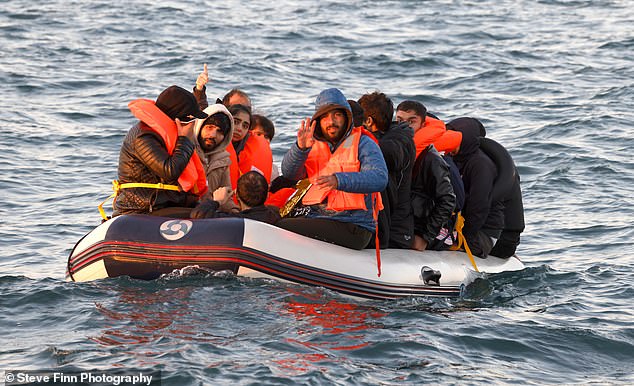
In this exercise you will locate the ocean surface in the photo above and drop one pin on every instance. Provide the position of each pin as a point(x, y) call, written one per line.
point(552, 80)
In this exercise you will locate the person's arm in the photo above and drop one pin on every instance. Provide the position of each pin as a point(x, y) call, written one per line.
point(372, 176)
point(209, 208)
point(295, 158)
point(152, 152)
point(200, 90)
point(444, 199)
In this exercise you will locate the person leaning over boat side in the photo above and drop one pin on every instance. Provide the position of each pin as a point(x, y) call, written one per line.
point(159, 149)
point(483, 216)
point(437, 188)
point(251, 192)
point(214, 135)
point(347, 170)
point(234, 97)
point(396, 221)
point(507, 189)
point(248, 152)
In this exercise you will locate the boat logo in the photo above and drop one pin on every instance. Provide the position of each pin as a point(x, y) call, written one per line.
point(175, 229)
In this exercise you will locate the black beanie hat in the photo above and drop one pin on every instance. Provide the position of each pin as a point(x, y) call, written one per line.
point(176, 102)
point(221, 120)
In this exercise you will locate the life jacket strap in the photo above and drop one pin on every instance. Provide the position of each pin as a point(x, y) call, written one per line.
point(376, 207)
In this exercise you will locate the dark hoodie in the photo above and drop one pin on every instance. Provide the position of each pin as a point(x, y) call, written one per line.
point(396, 222)
point(478, 174)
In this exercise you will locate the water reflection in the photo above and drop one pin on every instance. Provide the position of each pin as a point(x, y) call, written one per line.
point(327, 328)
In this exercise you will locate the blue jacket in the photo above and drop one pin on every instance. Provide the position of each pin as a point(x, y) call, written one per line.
point(372, 176)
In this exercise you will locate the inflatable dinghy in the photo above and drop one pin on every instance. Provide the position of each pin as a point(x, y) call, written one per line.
point(146, 247)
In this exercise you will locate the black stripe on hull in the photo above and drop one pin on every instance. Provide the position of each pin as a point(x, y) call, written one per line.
point(148, 261)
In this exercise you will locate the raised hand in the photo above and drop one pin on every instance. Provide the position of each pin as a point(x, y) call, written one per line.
point(202, 79)
point(305, 137)
point(185, 130)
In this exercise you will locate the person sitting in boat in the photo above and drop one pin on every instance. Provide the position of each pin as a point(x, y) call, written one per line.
point(214, 135)
point(437, 187)
point(505, 189)
point(506, 245)
point(428, 129)
point(346, 169)
point(396, 221)
point(234, 97)
point(357, 112)
point(483, 214)
point(251, 192)
point(248, 152)
point(159, 151)
point(264, 127)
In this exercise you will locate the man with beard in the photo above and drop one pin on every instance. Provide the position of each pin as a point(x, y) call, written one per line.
point(346, 169)
point(214, 135)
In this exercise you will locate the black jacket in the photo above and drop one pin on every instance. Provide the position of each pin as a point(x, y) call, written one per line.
point(478, 171)
point(433, 198)
point(396, 223)
point(144, 158)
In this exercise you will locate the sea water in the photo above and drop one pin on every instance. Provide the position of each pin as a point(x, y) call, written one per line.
point(552, 80)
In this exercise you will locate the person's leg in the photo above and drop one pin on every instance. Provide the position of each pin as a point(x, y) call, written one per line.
point(345, 234)
point(506, 245)
point(482, 245)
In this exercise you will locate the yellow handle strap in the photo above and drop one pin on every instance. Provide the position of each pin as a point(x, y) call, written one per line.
point(463, 241)
point(116, 187)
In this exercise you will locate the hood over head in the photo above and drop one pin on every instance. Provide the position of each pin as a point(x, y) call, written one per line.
point(328, 100)
point(217, 108)
point(176, 102)
point(471, 130)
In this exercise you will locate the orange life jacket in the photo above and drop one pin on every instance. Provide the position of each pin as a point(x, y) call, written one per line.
point(322, 162)
point(280, 197)
point(430, 132)
point(193, 179)
point(255, 155)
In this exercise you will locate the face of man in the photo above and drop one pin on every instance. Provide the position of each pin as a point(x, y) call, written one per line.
point(333, 125)
point(210, 137)
point(414, 121)
point(241, 125)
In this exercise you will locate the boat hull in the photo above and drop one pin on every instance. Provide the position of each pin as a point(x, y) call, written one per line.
point(146, 247)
